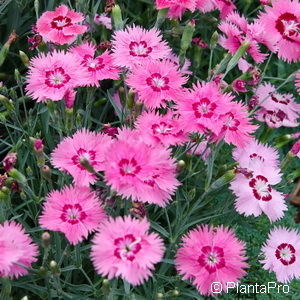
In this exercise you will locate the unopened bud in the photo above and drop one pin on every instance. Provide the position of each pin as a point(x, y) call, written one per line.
point(175, 293)
point(122, 95)
point(54, 267)
point(8, 104)
point(46, 239)
point(214, 40)
point(105, 287)
point(46, 172)
point(42, 271)
point(17, 175)
point(180, 166)
point(159, 296)
point(18, 76)
point(117, 17)
point(130, 100)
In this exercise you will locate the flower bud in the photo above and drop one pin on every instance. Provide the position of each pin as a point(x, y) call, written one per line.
point(17, 175)
point(7, 103)
point(159, 296)
point(130, 100)
point(180, 166)
point(46, 172)
point(214, 40)
point(117, 17)
point(122, 95)
point(42, 271)
point(105, 287)
point(161, 16)
point(46, 239)
point(9, 161)
point(24, 58)
point(54, 269)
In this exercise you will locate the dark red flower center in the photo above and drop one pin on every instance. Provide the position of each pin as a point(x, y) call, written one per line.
point(255, 156)
point(230, 122)
point(127, 247)
point(261, 188)
point(129, 167)
point(81, 154)
point(288, 26)
point(60, 22)
point(72, 213)
point(162, 128)
point(274, 117)
point(211, 258)
point(204, 108)
point(140, 49)
point(57, 78)
point(157, 82)
point(286, 254)
point(278, 98)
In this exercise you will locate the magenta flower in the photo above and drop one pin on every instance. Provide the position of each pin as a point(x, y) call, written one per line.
point(156, 82)
point(124, 248)
point(136, 45)
point(74, 211)
point(282, 23)
point(164, 129)
point(15, 247)
point(237, 31)
point(237, 128)
point(202, 108)
point(282, 254)
point(61, 26)
point(52, 75)
point(139, 171)
point(210, 255)
point(255, 153)
point(256, 194)
point(85, 145)
point(97, 67)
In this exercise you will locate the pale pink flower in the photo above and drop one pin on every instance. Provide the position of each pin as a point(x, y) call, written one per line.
point(161, 129)
point(156, 82)
point(104, 20)
point(136, 45)
point(271, 100)
point(176, 7)
point(125, 248)
point(83, 144)
point(254, 153)
point(202, 149)
point(15, 247)
point(282, 23)
point(202, 108)
point(210, 255)
point(275, 118)
point(282, 254)
point(205, 5)
point(61, 26)
point(75, 211)
point(256, 195)
point(54, 74)
point(97, 67)
point(139, 171)
point(237, 128)
point(237, 31)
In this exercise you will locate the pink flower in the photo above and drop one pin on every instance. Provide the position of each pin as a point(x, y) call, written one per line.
point(202, 107)
point(164, 129)
point(60, 26)
point(175, 60)
point(9, 161)
point(237, 128)
point(74, 211)
point(202, 149)
point(52, 75)
point(256, 195)
point(282, 22)
point(103, 20)
point(296, 149)
point(271, 100)
point(83, 144)
point(70, 97)
point(255, 153)
point(156, 82)
point(210, 255)
point(124, 248)
point(239, 85)
point(97, 67)
point(136, 45)
point(176, 7)
point(225, 7)
point(137, 170)
point(15, 247)
point(282, 254)
point(238, 31)
point(205, 5)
